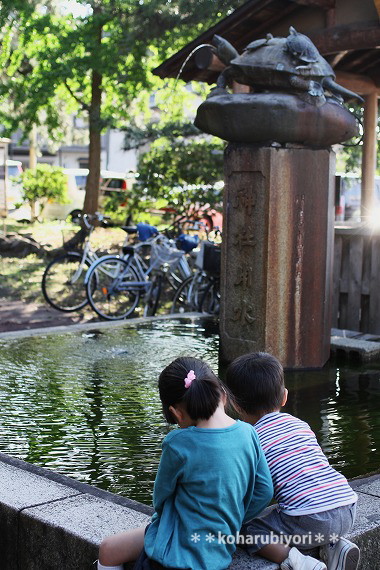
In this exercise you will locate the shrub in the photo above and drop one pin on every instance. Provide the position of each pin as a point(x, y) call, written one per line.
point(43, 184)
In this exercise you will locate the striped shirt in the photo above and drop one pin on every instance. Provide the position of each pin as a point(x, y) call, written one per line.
point(304, 482)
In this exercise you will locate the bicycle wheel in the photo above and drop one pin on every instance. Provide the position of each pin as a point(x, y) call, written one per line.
point(112, 288)
point(188, 295)
point(210, 301)
point(63, 282)
point(153, 299)
point(179, 273)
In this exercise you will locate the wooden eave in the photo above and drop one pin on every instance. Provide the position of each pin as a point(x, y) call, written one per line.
point(350, 49)
point(237, 28)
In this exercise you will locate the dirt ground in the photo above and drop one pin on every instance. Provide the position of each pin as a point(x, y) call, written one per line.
point(21, 303)
point(21, 315)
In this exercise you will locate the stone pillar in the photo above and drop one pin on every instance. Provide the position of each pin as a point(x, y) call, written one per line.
point(278, 233)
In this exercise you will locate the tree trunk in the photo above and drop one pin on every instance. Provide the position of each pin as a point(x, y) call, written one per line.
point(33, 166)
point(95, 125)
point(33, 210)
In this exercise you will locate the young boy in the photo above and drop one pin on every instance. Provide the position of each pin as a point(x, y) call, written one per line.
point(316, 505)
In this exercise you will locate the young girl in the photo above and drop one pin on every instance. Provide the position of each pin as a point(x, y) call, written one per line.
point(212, 476)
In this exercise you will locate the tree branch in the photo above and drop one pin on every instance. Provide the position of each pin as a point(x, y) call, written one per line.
point(84, 106)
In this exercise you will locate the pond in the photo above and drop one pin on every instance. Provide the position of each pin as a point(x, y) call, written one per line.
point(86, 404)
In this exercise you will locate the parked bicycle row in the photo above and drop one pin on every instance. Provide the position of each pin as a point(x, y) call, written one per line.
point(117, 286)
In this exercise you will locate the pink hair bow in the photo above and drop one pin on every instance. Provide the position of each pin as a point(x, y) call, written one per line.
point(189, 378)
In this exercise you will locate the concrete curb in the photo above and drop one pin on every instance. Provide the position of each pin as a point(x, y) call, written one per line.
point(79, 327)
point(49, 521)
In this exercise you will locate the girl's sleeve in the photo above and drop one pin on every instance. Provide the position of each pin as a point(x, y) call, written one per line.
point(169, 472)
point(263, 488)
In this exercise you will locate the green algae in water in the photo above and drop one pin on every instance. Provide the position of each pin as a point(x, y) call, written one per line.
point(86, 404)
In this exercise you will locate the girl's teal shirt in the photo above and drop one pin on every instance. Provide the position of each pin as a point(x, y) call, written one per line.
point(208, 483)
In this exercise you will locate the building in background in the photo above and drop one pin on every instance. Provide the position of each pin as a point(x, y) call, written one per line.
point(75, 155)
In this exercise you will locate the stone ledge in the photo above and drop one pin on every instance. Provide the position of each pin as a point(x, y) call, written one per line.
point(50, 521)
point(355, 345)
point(67, 533)
point(363, 350)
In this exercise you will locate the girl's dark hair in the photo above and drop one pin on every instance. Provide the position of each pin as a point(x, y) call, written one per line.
point(201, 398)
point(256, 381)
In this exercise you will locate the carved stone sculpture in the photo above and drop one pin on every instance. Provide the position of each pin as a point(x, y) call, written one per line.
point(295, 97)
point(291, 64)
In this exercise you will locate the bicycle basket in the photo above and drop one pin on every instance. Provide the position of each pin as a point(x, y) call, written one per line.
point(164, 255)
point(209, 257)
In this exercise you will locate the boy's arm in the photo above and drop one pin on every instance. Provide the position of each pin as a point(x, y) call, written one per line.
point(263, 491)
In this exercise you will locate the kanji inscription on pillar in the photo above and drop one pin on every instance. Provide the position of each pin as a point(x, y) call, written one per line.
point(246, 199)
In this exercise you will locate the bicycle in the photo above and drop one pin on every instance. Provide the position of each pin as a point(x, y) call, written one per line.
point(179, 268)
point(115, 284)
point(210, 300)
point(63, 279)
point(201, 292)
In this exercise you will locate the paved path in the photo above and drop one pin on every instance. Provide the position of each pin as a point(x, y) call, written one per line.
point(19, 315)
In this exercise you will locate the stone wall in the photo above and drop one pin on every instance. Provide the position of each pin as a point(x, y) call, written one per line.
point(51, 522)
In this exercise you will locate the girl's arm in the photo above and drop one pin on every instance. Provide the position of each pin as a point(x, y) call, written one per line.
point(169, 472)
point(263, 491)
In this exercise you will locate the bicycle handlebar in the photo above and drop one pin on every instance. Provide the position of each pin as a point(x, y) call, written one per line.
point(89, 220)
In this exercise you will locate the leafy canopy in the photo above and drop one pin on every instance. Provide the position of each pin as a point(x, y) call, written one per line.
point(97, 63)
point(49, 57)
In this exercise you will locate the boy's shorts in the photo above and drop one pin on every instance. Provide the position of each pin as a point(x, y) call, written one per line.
point(303, 531)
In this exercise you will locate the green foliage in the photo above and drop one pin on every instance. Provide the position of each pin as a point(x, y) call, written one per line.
point(97, 63)
point(46, 54)
point(114, 206)
point(181, 173)
point(43, 184)
point(349, 156)
point(138, 136)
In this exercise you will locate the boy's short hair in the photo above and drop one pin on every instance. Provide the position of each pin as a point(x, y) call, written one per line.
point(256, 381)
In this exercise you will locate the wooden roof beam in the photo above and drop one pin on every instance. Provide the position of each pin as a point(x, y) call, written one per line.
point(341, 38)
point(324, 4)
point(357, 83)
point(337, 58)
point(266, 26)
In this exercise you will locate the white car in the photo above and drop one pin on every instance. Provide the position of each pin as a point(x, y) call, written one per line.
point(76, 188)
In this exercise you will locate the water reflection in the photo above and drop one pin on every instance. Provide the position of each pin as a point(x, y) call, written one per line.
point(87, 406)
point(341, 405)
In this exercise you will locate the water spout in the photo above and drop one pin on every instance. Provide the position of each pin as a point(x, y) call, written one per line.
point(187, 59)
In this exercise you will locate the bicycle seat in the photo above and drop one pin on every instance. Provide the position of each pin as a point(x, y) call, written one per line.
point(129, 229)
